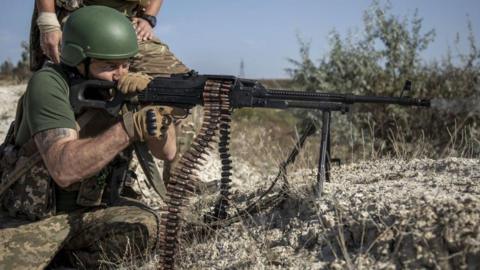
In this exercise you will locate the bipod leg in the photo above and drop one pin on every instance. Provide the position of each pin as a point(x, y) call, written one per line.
point(308, 131)
point(322, 161)
point(329, 151)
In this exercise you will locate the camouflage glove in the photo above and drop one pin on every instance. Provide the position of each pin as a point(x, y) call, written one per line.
point(133, 83)
point(150, 121)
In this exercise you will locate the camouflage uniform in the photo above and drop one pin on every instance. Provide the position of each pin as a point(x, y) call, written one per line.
point(156, 59)
point(92, 236)
point(32, 196)
point(101, 238)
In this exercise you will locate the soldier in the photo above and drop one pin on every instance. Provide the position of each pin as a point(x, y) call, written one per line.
point(62, 171)
point(154, 57)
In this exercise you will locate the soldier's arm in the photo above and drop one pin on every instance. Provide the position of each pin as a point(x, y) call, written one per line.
point(70, 159)
point(45, 5)
point(154, 7)
point(142, 27)
point(50, 33)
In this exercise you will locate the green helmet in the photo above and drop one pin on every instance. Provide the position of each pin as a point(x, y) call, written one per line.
point(97, 32)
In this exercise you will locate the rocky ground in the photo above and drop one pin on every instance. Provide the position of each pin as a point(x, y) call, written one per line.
point(382, 214)
point(8, 103)
point(388, 214)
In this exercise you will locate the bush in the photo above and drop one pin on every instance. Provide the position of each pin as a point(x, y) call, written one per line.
point(17, 73)
point(378, 62)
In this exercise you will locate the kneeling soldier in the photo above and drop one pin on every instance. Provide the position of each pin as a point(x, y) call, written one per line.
point(69, 199)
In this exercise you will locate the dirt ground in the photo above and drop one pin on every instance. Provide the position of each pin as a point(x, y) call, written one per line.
point(8, 103)
point(383, 214)
point(387, 214)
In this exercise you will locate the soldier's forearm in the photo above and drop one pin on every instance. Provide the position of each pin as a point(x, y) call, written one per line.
point(45, 5)
point(154, 7)
point(70, 160)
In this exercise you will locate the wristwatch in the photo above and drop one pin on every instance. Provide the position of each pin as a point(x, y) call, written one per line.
point(152, 20)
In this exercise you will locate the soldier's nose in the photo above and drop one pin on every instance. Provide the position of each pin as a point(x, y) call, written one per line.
point(116, 74)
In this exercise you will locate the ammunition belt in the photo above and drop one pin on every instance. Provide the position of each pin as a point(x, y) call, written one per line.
point(221, 207)
point(181, 186)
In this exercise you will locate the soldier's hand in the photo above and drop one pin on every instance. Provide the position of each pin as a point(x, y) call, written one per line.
point(50, 35)
point(149, 122)
point(143, 29)
point(133, 83)
point(50, 43)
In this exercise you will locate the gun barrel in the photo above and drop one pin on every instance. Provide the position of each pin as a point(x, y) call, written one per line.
point(344, 98)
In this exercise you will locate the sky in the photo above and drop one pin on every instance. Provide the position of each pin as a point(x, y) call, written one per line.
point(214, 36)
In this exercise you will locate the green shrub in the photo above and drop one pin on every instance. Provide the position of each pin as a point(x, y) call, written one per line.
point(378, 62)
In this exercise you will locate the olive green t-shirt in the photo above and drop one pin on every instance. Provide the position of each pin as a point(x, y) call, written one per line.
point(46, 104)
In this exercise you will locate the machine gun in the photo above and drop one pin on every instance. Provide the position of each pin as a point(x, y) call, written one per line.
point(219, 95)
point(186, 91)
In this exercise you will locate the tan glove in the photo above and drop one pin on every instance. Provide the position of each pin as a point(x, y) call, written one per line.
point(133, 83)
point(176, 112)
point(150, 121)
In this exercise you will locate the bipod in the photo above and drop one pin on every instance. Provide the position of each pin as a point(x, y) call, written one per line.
point(263, 202)
point(324, 160)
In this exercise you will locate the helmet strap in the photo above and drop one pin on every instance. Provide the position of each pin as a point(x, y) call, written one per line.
point(86, 65)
